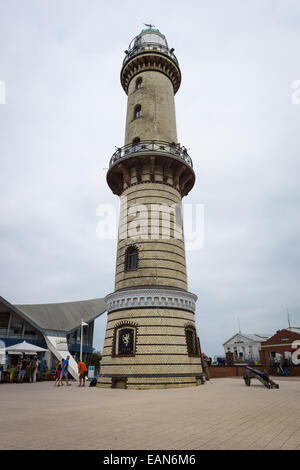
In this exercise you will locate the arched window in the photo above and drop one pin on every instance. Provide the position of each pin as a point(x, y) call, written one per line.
point(139, 83)
point(124, 341)
point(131, 258)
point(137, 111)
point(191, 341)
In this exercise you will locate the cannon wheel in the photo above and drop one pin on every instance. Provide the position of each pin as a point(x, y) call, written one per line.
point(247, 381)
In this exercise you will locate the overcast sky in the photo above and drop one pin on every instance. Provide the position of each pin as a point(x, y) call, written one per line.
point(65, 113)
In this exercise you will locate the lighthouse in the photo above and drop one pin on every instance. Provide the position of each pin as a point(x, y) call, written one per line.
point(151, 339)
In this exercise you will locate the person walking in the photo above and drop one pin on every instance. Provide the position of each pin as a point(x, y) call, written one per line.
point(205, 365)
point(36, 368)
point(64, 372)
point(58, 371)
point(12, 374)
point(82, 370)
point(29, 370)
point(22, 372)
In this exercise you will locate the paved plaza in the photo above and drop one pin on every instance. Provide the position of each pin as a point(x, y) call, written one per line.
point(222, 414)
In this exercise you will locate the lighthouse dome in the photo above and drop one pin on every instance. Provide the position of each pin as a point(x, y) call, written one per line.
point(150, 36)
point(149, 40)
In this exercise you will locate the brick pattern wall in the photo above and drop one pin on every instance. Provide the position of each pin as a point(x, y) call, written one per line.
point(231, 371)
point(161, 358)
point(161, 260)
point(238, 371)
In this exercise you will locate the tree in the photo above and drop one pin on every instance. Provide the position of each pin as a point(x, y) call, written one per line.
point(95, 359)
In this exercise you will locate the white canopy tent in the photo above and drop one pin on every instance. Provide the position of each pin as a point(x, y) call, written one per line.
point(24, 347)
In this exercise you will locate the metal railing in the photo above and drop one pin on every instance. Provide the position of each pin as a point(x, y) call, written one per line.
point(151, 146)
point(150, 47)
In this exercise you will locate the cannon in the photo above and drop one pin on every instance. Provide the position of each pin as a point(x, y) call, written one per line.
point(262, 376)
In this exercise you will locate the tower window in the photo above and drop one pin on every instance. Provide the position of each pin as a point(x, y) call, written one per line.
point(137, 111)
point(131, 258)
point(138, 83)
point(136, 144)
point(191, 341)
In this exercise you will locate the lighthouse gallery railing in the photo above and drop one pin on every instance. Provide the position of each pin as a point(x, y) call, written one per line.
point(146, 146)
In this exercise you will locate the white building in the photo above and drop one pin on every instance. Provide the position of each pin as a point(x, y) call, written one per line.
point(245, 347)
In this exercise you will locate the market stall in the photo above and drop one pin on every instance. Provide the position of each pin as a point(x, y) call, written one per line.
point(17, 353)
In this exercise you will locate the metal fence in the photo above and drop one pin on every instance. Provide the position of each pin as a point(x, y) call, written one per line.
point(150, 47)
point(151, 146)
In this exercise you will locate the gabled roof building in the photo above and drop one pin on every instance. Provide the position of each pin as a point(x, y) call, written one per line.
point(245, 347)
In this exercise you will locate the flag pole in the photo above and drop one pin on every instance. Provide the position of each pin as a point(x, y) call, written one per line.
point(288, 316)
point(81, 331)
point(239, 324)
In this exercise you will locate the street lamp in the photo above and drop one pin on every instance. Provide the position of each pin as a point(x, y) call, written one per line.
point(81, 336)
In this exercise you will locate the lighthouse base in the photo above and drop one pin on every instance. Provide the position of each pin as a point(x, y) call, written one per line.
point(151, 345)
point(151, 382)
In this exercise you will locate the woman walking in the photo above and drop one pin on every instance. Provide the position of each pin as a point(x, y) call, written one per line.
point(58, 372)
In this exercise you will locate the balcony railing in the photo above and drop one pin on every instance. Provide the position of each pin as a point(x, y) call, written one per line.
point(151, 146)
point(150, 47)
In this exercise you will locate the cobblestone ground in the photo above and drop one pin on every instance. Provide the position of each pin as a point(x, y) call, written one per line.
point(222, 414)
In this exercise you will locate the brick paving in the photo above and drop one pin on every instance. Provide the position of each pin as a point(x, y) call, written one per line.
point(222, 414)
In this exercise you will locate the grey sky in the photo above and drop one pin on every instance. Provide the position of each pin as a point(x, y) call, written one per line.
point(65, 112)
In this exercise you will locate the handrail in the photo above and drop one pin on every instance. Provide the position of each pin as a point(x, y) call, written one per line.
point(149, 47)
point(146, 146)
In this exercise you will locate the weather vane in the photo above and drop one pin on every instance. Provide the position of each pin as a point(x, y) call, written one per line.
point(149, 25)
